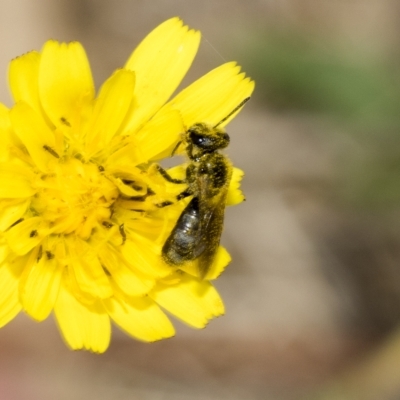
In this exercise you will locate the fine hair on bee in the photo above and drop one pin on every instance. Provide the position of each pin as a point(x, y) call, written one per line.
point(197, 232)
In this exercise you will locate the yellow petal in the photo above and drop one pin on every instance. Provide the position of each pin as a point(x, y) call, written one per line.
point(3, 112)
point(4, 250)
point(88, 272)
point(154, 141)
point(15, 181)
point(140, 317)
point(65, 81)
point(132, 283)
point(39, 284)
point(191, 300)
point(82, 326)
point(6, 134)
point(110, 110)
point(143, 255)
point(34, 134)
point(25, 235)
point(160, 62)
point(10, 305)
point(221, 261)
point(212, 97)
point(235, 195)
point(158, 137)
point(23, 77)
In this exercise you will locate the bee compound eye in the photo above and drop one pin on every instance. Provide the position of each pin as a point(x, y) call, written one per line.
point(196, 138)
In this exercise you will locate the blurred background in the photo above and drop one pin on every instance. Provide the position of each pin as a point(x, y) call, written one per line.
point(313, 292)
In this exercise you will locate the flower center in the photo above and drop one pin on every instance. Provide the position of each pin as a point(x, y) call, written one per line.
point(75, 198)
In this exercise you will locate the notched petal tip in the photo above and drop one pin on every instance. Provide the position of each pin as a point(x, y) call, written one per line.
point(82, 326)
point(191, 300)
point(140, 318)
point(23, 78)
point(66, 86)
point(221, 261)
point(214, 96)
point(160, 61)
point(235, 194)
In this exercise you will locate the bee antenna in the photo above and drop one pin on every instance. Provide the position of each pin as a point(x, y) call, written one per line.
point(242, 103)
point(176, 148)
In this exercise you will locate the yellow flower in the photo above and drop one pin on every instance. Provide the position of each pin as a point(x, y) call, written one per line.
point(81, 233)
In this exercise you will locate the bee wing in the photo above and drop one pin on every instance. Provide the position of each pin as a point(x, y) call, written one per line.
point(211, 225)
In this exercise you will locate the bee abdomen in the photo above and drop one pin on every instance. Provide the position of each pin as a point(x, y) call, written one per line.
point(183, 240)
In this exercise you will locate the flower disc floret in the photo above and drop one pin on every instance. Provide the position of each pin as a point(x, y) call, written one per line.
point(75, 198)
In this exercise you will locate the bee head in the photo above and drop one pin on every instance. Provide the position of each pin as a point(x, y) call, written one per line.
point(207, 138)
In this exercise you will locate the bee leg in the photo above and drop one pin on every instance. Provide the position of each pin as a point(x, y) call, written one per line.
point(191, 171)
point(186, 193)
point(122, 233)
point(189, 151)
point(164, 204)
point(194, 157)
point(144, 196)
point(168, 177)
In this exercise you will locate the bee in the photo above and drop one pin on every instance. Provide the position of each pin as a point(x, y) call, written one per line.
point(197, 232)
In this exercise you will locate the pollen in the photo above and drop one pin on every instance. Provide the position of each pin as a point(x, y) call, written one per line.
point(75, 198)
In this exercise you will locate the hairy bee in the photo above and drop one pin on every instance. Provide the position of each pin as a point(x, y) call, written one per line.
point(197, 232)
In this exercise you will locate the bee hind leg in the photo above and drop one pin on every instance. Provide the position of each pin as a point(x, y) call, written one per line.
point(168, 177)
point(180, 196)
point(186, 193)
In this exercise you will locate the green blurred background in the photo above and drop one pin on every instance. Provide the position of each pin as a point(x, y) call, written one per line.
point(312, 295)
